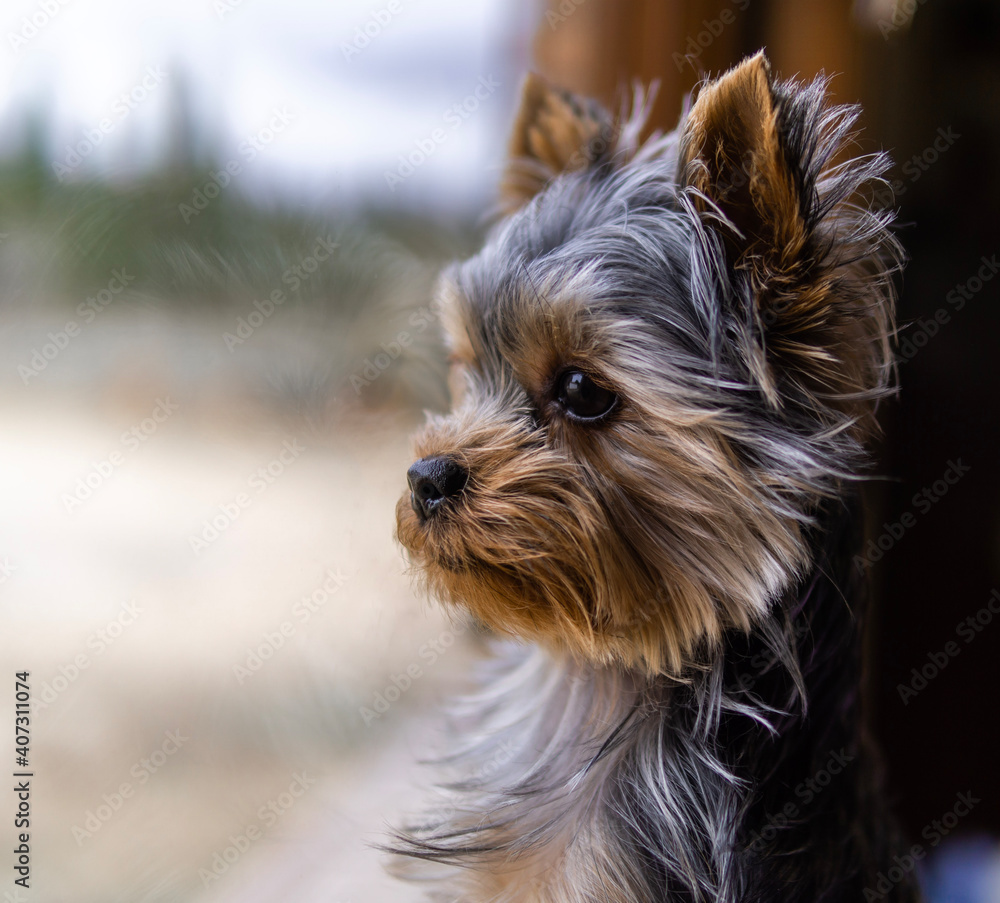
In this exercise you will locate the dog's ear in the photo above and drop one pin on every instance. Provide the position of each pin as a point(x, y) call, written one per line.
point(554, 132)
point(807, 254)
point(734, 155)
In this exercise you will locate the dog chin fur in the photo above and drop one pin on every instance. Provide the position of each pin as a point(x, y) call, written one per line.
point(679, 567)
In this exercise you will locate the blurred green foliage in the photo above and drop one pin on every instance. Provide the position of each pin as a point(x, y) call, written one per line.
point(61, 242)
point(76, 232)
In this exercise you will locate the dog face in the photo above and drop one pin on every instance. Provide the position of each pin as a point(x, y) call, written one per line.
point(663, 360)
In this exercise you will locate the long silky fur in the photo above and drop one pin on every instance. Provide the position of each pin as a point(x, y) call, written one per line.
point(571, 783)
point(648, 745)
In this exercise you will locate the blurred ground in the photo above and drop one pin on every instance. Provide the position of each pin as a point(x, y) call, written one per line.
point(179, 693)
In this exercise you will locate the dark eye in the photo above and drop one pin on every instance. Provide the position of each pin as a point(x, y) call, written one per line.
point(582, 398)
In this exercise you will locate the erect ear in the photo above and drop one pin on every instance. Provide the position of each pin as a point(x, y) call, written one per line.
point(733, 153)
point(554, 132)
point(807, 253)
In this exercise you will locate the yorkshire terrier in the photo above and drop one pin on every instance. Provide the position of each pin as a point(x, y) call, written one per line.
point(665, 367)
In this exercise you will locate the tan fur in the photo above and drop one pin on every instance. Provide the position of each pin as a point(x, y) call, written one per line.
point(643, 538)
point(554, 132)
point(537, 550)
point(732, 156)
point(534, 550)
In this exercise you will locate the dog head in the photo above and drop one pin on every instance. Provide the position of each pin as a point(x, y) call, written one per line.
point(664, 359)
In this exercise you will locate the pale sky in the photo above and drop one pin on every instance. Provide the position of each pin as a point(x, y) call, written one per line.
point(342, 110)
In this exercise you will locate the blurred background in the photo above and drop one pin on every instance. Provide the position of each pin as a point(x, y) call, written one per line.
point(220, 222)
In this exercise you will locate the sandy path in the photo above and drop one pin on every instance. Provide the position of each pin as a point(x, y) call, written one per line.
point(151, 748)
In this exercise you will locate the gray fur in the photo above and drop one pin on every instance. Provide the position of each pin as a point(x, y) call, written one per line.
point(617, 786)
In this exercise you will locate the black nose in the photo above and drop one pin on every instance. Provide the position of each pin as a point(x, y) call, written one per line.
point(432, 480)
